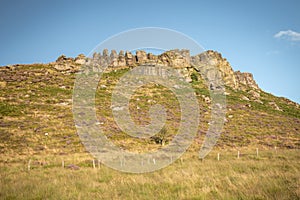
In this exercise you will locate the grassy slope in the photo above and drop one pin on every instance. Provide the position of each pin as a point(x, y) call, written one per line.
point(42, 103)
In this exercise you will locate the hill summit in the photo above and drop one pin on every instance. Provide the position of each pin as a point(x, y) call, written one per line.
point(179, 59)
point(36, 103)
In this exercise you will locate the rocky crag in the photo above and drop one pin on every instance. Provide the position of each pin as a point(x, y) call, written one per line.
point(204, 63)
point(178, 59)
point(209, 64)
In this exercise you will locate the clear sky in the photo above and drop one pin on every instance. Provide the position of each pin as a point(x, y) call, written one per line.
point(261, 37)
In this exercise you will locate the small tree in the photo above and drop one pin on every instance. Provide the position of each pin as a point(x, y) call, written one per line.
point(160, 138)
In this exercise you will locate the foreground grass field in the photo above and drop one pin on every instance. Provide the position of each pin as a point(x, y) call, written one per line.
point(271, 175)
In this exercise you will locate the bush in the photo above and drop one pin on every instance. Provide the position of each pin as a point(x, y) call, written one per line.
point(160, 138)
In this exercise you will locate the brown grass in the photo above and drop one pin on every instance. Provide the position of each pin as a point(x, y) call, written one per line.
point(270, 176)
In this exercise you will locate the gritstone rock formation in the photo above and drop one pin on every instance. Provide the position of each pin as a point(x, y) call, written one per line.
point(203, 63)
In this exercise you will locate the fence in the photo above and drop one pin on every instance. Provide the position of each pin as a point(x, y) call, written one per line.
point(218, 155)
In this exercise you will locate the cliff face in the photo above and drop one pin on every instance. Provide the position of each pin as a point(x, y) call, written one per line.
point(212, 59)
point(204, 63)
point(234, 79)
point(245, 80)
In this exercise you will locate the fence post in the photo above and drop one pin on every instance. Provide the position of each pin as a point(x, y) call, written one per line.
point(94, 166)
point(256, 152)
point(238, 155)
point(218, 156)
point(28, 166)
point(63, 163)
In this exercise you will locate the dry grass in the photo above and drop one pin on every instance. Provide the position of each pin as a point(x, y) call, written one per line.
point(269, 176)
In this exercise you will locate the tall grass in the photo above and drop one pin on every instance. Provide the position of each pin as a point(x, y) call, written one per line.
point(269, 176)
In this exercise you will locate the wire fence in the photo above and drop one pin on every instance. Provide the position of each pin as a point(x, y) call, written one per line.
point(78, 161)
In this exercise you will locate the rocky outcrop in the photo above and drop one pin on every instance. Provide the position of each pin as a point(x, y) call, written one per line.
point(80, 59)
point(130, 60)
point(204, 63)
point(114, 59)
point(68, 65)
point(275, 106)
point(245, 80)
point(208, 61)
point(175, 58)
point(121, 59)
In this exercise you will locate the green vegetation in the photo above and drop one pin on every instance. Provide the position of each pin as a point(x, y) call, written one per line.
point(10, 110)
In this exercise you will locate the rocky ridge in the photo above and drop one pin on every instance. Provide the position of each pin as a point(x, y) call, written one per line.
point(178, 59)
point(181, 60)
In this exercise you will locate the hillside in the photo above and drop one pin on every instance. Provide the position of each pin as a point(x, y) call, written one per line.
point(42, 157)
point(36, 104)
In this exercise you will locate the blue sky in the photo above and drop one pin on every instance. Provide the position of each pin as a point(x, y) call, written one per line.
point(261, 37)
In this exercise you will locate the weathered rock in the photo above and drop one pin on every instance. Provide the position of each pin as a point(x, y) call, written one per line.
point(150, 56)
point(245, 98)
point(105, 59)
point(246, 80)
point(63, 67)
point(113, 58)
point(141, 57)
point(96, 56)
point(175, 58)
point(121, 59)
point(66, 65)
point(61, 59)
point(130, 60)
point(259, 101)
point(105, 53)
point(254, 95)
point(215, 69)
point(210, 60)
point(80, 59)
point(275, 106)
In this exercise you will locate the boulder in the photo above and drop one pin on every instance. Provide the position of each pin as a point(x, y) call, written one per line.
point(254, 94)
point(80, 59)
point(130, 60)
point(275, 106)
point(245, 98)
point(141, 57)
